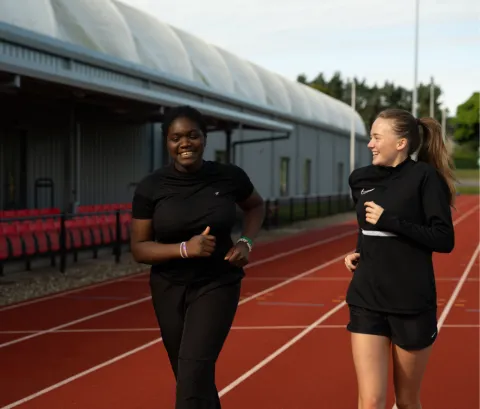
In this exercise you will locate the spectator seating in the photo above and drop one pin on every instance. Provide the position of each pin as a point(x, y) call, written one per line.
point(29, 233)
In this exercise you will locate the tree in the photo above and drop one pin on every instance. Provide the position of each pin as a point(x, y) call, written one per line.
point(370, 100)
point(466, 124)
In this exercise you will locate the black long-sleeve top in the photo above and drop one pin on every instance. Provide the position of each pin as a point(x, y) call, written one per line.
point(395, 270)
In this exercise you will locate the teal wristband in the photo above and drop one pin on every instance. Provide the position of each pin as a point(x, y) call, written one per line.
point(246, 240)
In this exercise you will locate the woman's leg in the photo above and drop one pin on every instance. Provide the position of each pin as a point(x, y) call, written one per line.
point(408, 370)
point(371, 355)
point(412, 338)
point(209, 317)
point(169, 305)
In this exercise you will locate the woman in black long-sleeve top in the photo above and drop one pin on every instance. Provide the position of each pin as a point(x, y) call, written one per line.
point(404, 214)
point(182, 219)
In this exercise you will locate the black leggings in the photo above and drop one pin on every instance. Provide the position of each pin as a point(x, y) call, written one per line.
point(194, 322)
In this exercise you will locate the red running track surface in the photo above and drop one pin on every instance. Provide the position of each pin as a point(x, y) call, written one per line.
point(99, 347)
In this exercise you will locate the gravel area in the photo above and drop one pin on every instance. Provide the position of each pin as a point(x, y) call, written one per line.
point(16, 286)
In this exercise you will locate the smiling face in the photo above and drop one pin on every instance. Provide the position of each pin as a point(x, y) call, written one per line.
point(387, 147)
point(186, 144)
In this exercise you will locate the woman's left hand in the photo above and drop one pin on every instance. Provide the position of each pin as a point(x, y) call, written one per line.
point(373, 212)
point(238, 254)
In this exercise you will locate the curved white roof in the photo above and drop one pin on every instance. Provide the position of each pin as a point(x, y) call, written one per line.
point(119, 30)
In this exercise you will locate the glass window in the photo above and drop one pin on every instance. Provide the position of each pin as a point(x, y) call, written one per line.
point(284, 175)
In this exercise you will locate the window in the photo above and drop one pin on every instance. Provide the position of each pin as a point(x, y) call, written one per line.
point(340, 170)
point(220, 156)
point(284, 176)
point(307, 176)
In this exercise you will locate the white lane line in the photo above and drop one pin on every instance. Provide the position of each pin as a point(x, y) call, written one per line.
point(155, 329)
point(294, 278)
point(70, 323)
point(81, 374)
point(238, 328)
point(465, 215)
point(458, 287)
point(72, 291)
point(280, 350)
point(302, 248)
point(454, 295)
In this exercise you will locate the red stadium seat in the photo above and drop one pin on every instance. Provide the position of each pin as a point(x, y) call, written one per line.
point(4, 248)
point(40, 237)
point(26, 235)
point(16, 246)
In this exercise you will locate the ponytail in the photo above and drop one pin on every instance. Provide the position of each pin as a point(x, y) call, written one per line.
point(434, 151)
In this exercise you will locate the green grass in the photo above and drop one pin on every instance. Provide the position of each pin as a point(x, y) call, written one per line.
point(468, 190)
point(463, 174)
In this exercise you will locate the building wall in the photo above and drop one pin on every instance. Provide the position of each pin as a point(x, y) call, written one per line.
point(327, 153)
point(113, 160)
point(32, 147)
point(114, 156)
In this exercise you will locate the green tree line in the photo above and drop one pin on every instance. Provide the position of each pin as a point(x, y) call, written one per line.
point(462, 126)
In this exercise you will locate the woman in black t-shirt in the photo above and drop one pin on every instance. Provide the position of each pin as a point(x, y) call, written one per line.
point(404, 214)
point(182, 219)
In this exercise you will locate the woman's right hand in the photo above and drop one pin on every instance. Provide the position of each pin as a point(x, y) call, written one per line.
point(351, 261)
point(202, 245)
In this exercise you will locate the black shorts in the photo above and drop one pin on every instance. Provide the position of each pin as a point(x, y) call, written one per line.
point(409, 332)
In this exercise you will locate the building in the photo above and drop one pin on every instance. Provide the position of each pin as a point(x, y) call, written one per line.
point(84, 84)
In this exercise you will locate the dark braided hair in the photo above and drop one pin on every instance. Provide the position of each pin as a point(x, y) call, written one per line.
point(183, 111)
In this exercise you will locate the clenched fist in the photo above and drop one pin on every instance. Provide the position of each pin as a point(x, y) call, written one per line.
point(351, 261)
point(373, 212)
point(238, 254)
point(202, 245)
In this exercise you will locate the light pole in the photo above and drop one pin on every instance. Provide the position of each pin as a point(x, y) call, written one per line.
point(432, 98)
point(415, 62)
point(352, 125)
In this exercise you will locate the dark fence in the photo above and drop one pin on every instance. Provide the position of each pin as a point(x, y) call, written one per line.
point(26, 235)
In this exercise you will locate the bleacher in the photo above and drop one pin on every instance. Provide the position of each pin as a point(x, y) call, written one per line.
point(27, 234)
point(30, 234)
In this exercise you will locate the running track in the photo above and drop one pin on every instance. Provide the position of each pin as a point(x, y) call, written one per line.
point(99, 347)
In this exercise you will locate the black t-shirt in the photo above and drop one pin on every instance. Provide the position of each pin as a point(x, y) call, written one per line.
point(181, 205)
point(395, 271)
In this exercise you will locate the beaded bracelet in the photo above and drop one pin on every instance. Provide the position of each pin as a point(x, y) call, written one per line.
point(247, 241)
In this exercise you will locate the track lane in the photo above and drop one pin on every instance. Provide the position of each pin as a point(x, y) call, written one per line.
point(457, 349)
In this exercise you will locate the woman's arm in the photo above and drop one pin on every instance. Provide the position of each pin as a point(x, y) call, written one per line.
point(146, 251)
point(254, 214)
point(438, 233)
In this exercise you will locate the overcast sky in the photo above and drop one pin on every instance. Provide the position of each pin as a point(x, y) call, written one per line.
point(370, 39)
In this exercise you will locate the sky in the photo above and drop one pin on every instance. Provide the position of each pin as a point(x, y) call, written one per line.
point(372, 40)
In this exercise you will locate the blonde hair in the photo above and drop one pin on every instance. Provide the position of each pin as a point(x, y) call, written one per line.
point(430, 145)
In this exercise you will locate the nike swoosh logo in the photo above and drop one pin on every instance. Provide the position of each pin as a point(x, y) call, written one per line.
point(366, 191)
